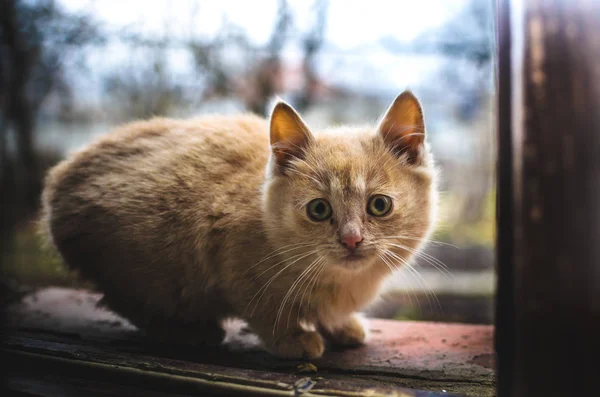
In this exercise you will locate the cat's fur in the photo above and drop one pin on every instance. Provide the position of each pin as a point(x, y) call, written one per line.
point(182, 224)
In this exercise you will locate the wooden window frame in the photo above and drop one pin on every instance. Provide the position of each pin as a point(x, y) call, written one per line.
point(548, 258)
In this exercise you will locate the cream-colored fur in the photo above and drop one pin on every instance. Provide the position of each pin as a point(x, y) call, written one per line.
point(185, 223)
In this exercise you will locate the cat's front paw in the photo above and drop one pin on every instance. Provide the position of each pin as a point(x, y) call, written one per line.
point(351, 333)
point(307, 344)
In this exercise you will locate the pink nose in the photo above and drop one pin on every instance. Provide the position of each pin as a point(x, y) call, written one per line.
point(351, 240)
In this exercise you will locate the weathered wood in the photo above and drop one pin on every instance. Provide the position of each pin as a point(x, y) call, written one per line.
point(504, 338)
point(555, 136)
point(63, 328)
point(65, 385)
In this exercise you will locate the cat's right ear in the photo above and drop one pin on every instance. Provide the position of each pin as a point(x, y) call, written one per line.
point(289, 134)
point(403, 129)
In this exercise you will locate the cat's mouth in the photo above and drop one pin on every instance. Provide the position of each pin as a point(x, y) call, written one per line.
point(354, 259)
point(354, 256)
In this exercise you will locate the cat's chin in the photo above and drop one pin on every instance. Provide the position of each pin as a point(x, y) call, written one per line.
point(354, 261)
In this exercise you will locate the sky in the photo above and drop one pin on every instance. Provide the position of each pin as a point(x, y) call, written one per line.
point(355, 57)
point(351, 23)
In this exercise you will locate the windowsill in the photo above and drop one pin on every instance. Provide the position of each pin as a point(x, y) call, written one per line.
point(61, 330)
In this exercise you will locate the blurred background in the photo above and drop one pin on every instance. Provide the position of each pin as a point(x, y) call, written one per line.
point(71, 70)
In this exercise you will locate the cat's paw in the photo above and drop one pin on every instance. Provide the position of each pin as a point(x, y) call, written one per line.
point(307, 344)
point(351, 333)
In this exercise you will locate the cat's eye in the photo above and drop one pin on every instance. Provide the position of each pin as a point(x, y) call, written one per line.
point(379, 205)
point(319, 210)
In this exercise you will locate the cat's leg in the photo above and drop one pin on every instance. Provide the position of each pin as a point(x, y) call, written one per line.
point(159, 326)
point(287, 341)
point(350, 332)
point(295, 343)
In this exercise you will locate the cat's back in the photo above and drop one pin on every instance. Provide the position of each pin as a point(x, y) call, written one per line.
point(146, 169)
point(144, 146)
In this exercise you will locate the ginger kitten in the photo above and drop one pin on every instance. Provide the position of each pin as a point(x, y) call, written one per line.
point(182, 224)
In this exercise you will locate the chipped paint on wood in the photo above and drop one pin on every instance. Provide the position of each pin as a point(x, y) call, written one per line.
point(402, 357)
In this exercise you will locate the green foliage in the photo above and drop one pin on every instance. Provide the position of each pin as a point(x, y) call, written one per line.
point(482, 231)
point(471, 308)
point(31, 262)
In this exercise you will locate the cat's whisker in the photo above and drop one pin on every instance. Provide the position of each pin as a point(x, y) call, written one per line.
point(442, 266)
point(433, 261)
point(293, 258)
point(300, 281)
point(310, 286)
point(404, 128)
point(278, 251)
point(418, 253)
point(316, 282)
point(411, 134)
point(279, 263)
point(268, 283)
point(428, 290)
point(319, 183)
point(427, 240)
point(297, 161)
point(283, 247)
point(389, 130)
point(391, 260)
point(302, 161)
point(290, 290)
point(390, 158)
point(305, 284)
point(403, 275)
point(388, 264)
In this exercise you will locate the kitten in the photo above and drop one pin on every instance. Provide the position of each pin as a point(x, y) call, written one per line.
point(182, 224)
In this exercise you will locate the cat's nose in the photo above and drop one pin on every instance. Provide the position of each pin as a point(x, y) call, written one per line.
point(351, 240)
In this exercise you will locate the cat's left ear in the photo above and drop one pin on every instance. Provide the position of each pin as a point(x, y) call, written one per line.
point(403, 128)
point(289, 134)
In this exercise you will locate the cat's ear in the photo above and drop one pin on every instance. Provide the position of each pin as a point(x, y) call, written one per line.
point(289, 134)
point(403, 129)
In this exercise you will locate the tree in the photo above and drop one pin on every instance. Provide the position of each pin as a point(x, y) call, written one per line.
point(144, 90)
point(36, 39)
point(262, 81)
point(311, 45)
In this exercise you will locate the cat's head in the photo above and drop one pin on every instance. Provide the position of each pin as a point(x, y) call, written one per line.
point(352, 196)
